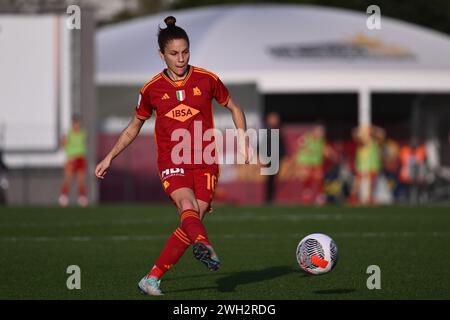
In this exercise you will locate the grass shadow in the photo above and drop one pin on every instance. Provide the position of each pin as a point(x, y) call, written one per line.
point(335, 291)
point(202, 275)
point(190, 289)
point(230, 282)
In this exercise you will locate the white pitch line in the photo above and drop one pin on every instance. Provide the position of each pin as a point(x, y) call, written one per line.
point(119, 238)
point(214, 218)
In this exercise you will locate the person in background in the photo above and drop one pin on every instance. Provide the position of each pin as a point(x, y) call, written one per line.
point(74, 144)
point(309, 162)
point(273, 121)
point(367, 162)
point(390, 156)
point(4, 182)
point(338, 176)
point(413, 169)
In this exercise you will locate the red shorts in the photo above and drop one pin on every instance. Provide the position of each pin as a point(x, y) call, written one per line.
point(76, 164)
point(312, 172)
point(202, 181)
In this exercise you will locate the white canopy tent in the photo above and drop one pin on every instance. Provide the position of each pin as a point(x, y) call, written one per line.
point(286, 49)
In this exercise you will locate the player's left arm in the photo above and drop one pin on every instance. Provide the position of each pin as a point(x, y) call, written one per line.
point(237, 114)
point(240, 122)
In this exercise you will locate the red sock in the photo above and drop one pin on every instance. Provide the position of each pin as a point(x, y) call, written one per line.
point(64, 189)
point(175, 246)
point(82, 191)
point(193, 226)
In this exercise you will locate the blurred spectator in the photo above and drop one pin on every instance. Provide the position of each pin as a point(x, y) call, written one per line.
point(273, 121)
point(433, 160)
point(413, 169)
point(309, 164)
point(74, 144)
point(388, 186)
point(4, 183)
point(444, 171)
point(338, 177)
point(367, 162)
point(438, 172)
point(445, 153)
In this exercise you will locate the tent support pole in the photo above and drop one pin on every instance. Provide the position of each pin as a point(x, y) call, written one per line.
point(364, 107)
point(364, 120)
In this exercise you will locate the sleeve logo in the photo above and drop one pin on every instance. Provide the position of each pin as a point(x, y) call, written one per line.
point(139, 100)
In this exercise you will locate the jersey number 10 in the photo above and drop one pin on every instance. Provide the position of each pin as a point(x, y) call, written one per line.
point(211, 180)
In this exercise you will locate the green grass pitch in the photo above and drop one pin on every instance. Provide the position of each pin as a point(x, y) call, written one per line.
point(116, 245)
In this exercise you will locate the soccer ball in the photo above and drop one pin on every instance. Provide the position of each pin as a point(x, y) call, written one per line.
point(317, 253)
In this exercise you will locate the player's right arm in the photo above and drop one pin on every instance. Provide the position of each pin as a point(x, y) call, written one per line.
point(125, 138)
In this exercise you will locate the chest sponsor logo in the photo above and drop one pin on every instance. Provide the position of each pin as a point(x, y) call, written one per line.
point(182, 113)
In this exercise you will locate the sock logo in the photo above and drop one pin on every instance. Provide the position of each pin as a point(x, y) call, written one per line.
point(200, 238)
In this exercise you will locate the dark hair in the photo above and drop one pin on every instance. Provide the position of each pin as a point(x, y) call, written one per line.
point(170, 33)
point(76, 117)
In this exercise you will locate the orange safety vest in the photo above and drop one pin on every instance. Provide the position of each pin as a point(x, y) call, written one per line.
point(409, 157)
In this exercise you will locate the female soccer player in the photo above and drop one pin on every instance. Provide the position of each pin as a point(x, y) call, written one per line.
point(181, 98)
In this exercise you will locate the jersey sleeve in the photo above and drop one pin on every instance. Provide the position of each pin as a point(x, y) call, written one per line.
point(143, 109)
point(221, 93)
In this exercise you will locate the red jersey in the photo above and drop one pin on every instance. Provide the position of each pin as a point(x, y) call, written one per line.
point(185, 104)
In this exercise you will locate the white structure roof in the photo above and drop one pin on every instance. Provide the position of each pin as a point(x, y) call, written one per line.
point(284, 48)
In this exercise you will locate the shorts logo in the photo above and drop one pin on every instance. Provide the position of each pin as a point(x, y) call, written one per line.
point(172, 171)
point(182, 113)
point(166, 184)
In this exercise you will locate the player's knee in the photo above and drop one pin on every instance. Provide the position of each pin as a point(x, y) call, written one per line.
point(186, 204)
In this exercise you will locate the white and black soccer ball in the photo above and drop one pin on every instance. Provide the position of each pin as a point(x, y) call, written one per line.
point(317, 253)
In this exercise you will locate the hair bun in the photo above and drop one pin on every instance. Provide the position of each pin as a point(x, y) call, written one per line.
point(170, 21)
